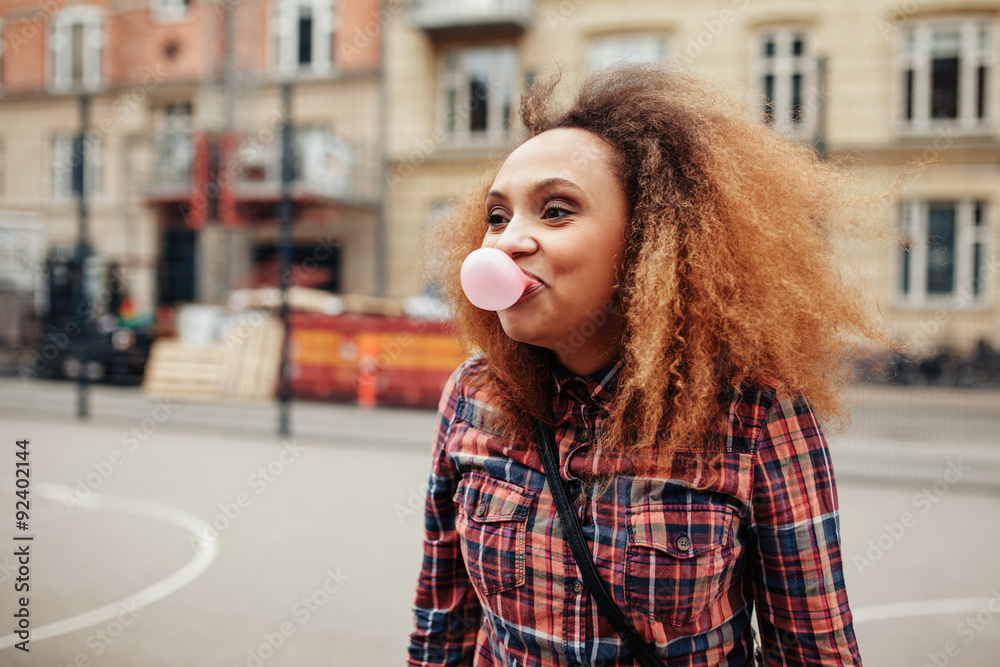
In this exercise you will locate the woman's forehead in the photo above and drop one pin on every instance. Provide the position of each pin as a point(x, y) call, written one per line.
point(569, 151)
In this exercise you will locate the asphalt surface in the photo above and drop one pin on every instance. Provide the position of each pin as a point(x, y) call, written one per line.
point(199, 537)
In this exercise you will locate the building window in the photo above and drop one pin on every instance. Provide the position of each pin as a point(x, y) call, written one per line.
point(949, 250)
point(169, 10)
point(174, 151)
point(946, 73)
point(75, 41)
point(63, 158)
point(303, 37)
point(632, 48)
point(785, 74)
point(477, 92)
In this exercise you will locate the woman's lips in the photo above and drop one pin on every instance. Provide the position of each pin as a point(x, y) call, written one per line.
point(533, 286)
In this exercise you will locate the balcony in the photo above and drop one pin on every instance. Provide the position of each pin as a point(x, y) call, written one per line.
point(326, 169)
point(170, 167)
point(236, 178)
point(442, 17)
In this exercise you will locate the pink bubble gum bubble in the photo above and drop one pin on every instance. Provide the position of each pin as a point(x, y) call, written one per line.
point(491, 279)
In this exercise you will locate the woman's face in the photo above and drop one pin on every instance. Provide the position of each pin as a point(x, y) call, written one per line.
point(558, 210)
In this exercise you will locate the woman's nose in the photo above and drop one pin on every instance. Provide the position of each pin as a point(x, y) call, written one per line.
point(516, 238)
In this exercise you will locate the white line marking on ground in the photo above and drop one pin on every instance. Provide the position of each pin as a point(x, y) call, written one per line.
point(192, 570)
point(884, 612)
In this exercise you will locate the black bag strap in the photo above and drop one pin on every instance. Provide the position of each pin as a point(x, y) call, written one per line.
point(642, 651)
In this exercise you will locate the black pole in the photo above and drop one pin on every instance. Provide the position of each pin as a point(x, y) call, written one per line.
point(285, 251)
point(78, 163)
point(383, 165)
point(822, 149)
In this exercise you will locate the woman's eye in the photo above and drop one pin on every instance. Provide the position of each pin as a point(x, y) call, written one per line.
point(494, 219)
point(553, 212)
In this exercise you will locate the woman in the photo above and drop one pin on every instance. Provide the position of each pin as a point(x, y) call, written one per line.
point(683, 326)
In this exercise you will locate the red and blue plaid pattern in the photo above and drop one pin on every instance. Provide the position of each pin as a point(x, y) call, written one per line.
point(499, 585)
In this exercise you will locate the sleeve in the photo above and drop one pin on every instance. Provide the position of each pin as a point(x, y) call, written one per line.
point(446, 610)
point(802, 606)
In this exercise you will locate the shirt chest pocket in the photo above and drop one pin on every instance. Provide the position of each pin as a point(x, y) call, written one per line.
point(679, 560)
point(491, 523)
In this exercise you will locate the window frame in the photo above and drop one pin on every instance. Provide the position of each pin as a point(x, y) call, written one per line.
point(285, 40)
point(658, 40)
point(59, 60)
point(971, 56)
point(912, 222)
point(61, 184)
point(170, 11)
point(456, 80)
point(784, 66)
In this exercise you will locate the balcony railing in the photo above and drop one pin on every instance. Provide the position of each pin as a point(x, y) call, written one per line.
point(325, 166)
point(169, 173)
point(452, 15)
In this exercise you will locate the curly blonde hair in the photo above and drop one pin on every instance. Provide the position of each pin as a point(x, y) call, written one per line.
point(732, 276)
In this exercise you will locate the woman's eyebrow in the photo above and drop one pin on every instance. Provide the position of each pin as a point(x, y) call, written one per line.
point(546, 184)
point(556, 182)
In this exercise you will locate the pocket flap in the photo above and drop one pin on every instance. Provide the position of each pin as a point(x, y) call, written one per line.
point(683, 531)
point(488, 500)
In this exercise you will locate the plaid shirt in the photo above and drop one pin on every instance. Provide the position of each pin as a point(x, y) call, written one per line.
point(499, 585)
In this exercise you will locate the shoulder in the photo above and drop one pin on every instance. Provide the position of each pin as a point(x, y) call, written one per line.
point(466, 395)
point(761, 406)
point(471, 373)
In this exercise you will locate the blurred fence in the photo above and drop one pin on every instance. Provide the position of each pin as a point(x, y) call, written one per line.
point(938, 421)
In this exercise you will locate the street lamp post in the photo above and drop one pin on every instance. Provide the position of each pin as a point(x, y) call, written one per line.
point(285, 253)
point(82, 255)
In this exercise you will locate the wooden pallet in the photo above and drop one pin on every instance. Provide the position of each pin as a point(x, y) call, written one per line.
point(244, 366)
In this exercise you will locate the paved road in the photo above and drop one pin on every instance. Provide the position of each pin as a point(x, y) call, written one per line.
point(245, 550)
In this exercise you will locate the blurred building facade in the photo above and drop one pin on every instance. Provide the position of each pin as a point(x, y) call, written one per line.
point(883, 81)
point(183, 139)
point(400, 106)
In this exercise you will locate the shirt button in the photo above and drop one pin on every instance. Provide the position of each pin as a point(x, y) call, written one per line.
point(584, 436)
point(577, 586)
point(581, 499)
point(481, 510)
point(683, 543)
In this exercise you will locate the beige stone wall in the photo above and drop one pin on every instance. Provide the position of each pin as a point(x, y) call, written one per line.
point(717, 40)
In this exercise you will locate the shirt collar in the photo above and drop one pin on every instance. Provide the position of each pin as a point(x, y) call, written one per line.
point(596, 389)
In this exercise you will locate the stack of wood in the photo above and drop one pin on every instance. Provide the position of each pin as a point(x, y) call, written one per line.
point(244, 365)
